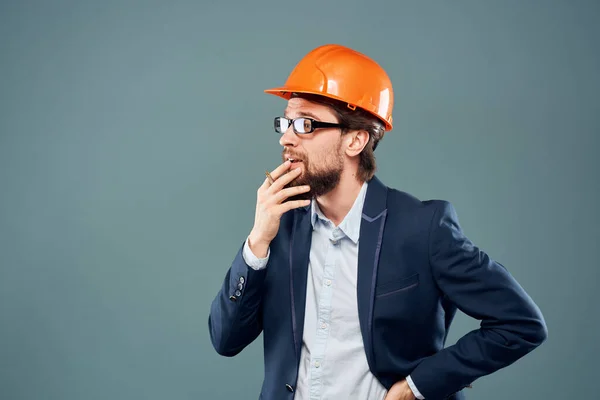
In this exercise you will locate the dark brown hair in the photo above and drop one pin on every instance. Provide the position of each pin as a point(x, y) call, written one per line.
point(353, 120)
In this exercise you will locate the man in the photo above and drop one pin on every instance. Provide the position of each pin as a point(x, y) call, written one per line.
point(352, 283)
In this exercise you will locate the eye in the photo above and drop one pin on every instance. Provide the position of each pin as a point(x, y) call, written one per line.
point(303, 125)
point(307, 125)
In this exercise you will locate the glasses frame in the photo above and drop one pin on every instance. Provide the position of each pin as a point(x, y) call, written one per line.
point(314, 124)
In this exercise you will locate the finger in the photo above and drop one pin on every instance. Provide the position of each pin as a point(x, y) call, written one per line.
point(276, 173)
point(290, 205)
point(280, 170)
point(291, 191)
point(265, 185)
point(284, 180)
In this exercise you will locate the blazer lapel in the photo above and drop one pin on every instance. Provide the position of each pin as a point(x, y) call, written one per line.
point(371, 236)
point(299, 254)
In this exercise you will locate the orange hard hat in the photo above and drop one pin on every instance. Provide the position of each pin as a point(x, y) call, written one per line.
point(341, 73)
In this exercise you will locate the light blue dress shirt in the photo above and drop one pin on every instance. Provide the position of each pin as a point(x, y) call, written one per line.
point(333, 362)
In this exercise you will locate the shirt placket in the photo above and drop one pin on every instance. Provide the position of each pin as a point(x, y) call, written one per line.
point(324, 313)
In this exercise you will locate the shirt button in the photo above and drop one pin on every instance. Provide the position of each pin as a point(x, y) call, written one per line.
point(323, 325)
point(317, 364)
point(328, 282)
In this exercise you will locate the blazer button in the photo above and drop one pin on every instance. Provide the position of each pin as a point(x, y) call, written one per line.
point(238, 293)
point(289, 387)
point(232, 298)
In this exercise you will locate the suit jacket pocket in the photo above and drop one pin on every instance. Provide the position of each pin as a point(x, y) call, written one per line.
point(398, 285)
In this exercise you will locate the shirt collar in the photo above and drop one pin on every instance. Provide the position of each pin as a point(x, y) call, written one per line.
point(350, 225)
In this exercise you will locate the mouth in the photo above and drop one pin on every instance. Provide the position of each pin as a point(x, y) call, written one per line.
point(294, 160)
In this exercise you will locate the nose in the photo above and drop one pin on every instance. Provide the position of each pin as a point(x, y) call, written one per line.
point(289, 138)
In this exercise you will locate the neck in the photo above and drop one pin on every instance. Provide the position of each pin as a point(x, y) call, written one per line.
point(338, 202)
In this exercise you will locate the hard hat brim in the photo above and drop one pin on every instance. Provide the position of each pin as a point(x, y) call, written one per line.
point(285, 92)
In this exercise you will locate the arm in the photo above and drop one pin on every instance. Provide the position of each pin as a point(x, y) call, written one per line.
point(235, 319)
point(511, 323)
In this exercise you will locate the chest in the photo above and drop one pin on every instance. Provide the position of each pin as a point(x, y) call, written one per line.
point(331, 287)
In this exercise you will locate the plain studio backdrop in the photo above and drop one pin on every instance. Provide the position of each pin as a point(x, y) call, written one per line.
point(133, 137)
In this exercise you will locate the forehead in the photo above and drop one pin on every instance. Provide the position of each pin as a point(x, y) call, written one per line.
point(298, 107)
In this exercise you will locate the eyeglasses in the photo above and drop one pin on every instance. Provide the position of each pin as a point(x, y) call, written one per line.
point(302, 125)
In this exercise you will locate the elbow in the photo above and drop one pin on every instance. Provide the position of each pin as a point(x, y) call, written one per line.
point(524, 335)
point(225, 351)
point(532, 329)
point(535, 334)
point(219, 342)
point(540, 332)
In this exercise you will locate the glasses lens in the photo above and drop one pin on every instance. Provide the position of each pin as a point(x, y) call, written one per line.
point(303, 125)
point(281, 124)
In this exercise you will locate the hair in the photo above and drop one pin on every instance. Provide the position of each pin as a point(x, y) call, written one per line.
point(352, 120)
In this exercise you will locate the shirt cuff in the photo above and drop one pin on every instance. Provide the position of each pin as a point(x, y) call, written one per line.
point(414, 389)
point(253, 261)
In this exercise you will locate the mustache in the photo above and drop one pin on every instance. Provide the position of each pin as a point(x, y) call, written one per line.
point(293, 155)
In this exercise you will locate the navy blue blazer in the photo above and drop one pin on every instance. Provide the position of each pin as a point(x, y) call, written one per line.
point(415, 269)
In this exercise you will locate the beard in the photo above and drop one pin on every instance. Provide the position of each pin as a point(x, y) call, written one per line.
point(321, 181)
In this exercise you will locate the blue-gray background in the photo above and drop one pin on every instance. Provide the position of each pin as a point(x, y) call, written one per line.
point(133, 136)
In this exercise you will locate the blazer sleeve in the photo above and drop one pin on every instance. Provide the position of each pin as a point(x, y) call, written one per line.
point(235, 318)
point(511, 323)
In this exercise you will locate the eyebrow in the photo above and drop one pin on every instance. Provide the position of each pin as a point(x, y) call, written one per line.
point(303, 114)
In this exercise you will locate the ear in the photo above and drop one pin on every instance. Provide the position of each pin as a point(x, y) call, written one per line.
point(355, 142)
